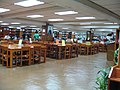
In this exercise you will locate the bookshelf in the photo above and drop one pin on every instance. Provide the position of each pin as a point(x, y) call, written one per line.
point(89, 36)
point(117, 38)
point(114, 75)
point(45, 34)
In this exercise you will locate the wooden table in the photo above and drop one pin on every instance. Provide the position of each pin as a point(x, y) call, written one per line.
point(11, 49)
point(43, 50)
point(15, 47)
point(60, 51)
point(88, 49)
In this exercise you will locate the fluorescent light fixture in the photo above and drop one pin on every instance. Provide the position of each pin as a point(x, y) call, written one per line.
point(115, 23)
point(33, 26)
point(108, 23)
point(107, 30)
point(22, 26)
point(65, 28)
point(35, 16)
point(18, 27)
point(54, 28)
point(1, 21)
point(66, 12)
point(85, 23)
point(4, 23)
point(55, 19)
point(97, 22)
point(4, 10)
point(28, 3)
point(11, 27)
point(15, 23)
point(85, 18)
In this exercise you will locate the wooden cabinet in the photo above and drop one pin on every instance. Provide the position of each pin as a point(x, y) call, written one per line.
point(114, 75)
point(110, 51)
point(117, 38)
point(45, 34)
point(6, 30)
point(89, 36)
point(114, 79)
point(1, 32)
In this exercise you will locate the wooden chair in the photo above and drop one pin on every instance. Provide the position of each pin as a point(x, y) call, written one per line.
point(61, 52)
point(102, 48)
point(25, 55)
point(32, 54)
point(83, 49)
point(74, 51)
point(43, 54)
point(67, 52)
point(92, 49)
point(5, 56)
point(96, 48)
point(37, 54)
point(54, 51)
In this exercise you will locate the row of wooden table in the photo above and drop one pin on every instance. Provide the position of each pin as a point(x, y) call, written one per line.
point(14, 48)
point(52, 50)
point(62, 52)
point(91, 49)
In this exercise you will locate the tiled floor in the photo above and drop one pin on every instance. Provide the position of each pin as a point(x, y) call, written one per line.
point(75, 74)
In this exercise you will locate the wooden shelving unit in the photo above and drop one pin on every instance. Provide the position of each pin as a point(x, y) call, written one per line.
point(6, 30)
point(114, 75)
point(89, 36)
point(44, 34)
point(1, 32)
point(117, 38)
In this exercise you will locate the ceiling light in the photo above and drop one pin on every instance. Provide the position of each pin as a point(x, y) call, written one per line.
point(108, 23)
point(55, 19)
point(29, 3)
point(22, 26)
point(11, 27)
point(35, 16)
point(54, 28)
point(86, 23)
point(65, 28)
point(66, 13)
point(15, 23)
point(1, 21)
point(18, 27)
point(4, 23)
point(85, 18)
point(115, 23)
point(33, 26)
point(4, 10)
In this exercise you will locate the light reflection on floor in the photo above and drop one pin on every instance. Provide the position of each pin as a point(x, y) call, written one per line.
point(75, 74)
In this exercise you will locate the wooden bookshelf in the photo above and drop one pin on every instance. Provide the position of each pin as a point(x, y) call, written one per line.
point(114, 75)
point(89, 36)
point(117, 38)
point(44, 34)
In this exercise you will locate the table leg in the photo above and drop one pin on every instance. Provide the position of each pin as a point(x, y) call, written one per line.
point(11, 59)
point(44, 55)
point(59, 53)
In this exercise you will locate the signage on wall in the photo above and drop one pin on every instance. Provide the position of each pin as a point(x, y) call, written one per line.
point(50, 30)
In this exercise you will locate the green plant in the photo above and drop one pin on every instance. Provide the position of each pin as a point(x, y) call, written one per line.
point(116, 57)
point(102, 79)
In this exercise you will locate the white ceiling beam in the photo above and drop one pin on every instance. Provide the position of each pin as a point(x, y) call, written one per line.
point(80, 7)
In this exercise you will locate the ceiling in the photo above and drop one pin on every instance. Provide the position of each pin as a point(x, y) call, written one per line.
point(105, 11)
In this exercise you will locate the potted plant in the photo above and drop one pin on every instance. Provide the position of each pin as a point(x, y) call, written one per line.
point(102, 79)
